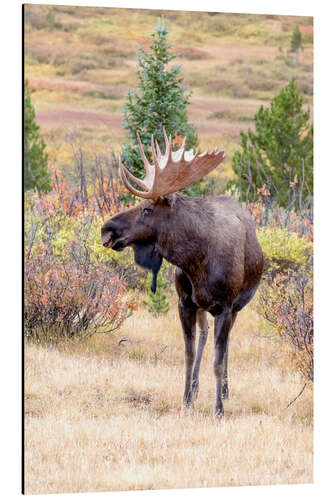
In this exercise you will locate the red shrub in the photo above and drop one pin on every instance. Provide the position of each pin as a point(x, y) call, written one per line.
point(70, 300)
point(287, 303)
point(267, 212)
point(102, 198)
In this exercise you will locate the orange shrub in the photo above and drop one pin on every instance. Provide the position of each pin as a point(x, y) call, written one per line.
point(286, 302)
point(266, 212)
point(70, 300)
point(103, 198)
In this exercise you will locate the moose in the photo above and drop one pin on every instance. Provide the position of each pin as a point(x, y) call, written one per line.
point(211, 241)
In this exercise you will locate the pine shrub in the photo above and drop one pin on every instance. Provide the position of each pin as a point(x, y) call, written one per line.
point(157, 303)
point(160, 100)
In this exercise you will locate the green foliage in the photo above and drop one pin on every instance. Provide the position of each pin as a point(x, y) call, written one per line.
point(36, 174)
point(157, 303)
point(296, 40)
point(280, 152)
point(158, 102)
point(284, 250)
point(296, 43)
point(50, 18)
point(65, 236)
point(203, 187)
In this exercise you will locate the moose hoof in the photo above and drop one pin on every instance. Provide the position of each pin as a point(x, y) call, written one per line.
point(195, 389)
point(218, 413)
point(188, 400)
point(187, 410)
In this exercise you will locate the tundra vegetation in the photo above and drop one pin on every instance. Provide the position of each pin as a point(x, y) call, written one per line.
point(103, 370)
point(36, 173)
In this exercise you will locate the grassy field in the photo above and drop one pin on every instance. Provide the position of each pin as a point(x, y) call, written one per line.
point(81, 62)
point(105, 417)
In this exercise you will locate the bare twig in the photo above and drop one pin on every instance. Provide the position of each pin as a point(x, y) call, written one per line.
point(298, 395)
point(162, 350)
point(124, 340)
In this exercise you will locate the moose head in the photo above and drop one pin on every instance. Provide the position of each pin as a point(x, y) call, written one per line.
point(138, 227)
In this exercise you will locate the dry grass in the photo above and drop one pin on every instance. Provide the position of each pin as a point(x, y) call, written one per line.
point(104, 416)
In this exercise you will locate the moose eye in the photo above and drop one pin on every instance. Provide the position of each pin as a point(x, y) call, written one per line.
point(146, 211)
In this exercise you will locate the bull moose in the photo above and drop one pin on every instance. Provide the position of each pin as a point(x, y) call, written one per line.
point(211, 241)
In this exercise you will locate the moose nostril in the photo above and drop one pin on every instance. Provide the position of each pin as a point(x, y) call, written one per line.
point(106, 237)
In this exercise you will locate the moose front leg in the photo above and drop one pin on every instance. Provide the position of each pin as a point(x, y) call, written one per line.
point(222, 327)
point(187, 314)
point(202, 334)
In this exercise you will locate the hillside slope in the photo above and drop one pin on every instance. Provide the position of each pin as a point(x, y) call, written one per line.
point(81, 61)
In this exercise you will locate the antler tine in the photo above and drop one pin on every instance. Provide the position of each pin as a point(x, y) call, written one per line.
point(190, 155)
point(137, 181)
point(155, 158)
point(171, 171)
point(179, 155)
point(165, 137)
point(159, 154)
point(167, 145)
point(136, 192)
point(183, 143)
point(143, 156)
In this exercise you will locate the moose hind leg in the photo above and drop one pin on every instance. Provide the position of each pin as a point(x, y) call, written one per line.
point(187, 314)
point(222, 327)
point(203, 333)
point(225, 388)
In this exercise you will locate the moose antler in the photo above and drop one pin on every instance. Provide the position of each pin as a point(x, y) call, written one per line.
point(170, 172)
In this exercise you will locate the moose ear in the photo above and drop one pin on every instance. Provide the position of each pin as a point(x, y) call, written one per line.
point(168, 200)
point(146, 256)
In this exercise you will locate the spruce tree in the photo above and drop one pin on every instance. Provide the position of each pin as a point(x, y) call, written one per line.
point(160, 100)
point(157, 303)
point(279, 149)
point(296, 43)
point(36, 173)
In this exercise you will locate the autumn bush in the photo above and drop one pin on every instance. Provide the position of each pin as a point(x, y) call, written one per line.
point(67, 300)
point(286, 302)
point(285, 297)
point(72, 287)
point(284, 250)
point(296, 217)
point(99, 197)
